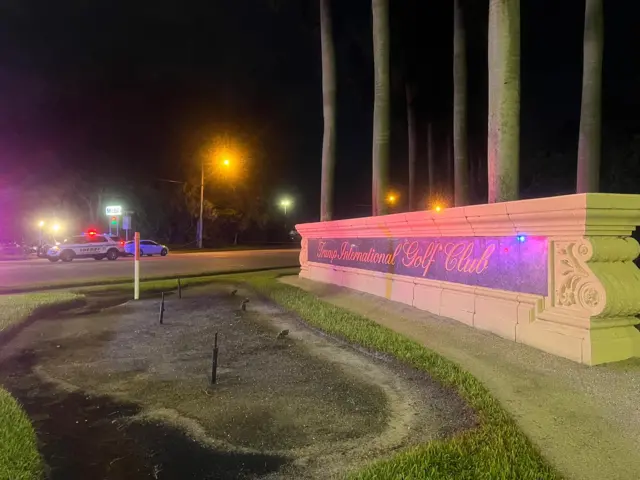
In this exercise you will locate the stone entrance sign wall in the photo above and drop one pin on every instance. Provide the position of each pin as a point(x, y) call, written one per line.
point(554, 273)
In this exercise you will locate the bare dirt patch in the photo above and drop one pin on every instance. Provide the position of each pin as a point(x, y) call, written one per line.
point(113, 394)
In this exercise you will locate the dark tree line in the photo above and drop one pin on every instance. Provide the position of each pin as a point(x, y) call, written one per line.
point(165, 211)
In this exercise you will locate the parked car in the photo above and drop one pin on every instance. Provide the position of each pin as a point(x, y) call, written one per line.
point(10, 249)
point(294, 236)
point(147, 247)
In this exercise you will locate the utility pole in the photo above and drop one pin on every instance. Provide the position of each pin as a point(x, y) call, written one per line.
point(200, 222)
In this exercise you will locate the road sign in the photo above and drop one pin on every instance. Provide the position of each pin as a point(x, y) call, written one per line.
point(114, 210)
point(126, 222)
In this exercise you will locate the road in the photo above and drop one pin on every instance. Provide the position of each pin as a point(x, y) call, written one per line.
point(20, 273)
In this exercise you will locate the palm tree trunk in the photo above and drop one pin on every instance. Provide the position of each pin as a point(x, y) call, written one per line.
point(473, 183)
point(449, 189)
point(589, 142)
point(413, 147)
point(381, 105)
point(328, 110)
point(431, 166)
point(460, 149)
point(503, 142)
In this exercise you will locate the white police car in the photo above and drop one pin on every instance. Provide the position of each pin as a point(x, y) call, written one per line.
point(90, 245)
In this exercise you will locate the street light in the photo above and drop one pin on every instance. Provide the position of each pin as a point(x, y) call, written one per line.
point(229, 157)
point(55, 227)
point(285, 203)
point(226, 163)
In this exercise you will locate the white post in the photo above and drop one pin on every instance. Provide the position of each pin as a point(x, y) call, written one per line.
point(136, 267)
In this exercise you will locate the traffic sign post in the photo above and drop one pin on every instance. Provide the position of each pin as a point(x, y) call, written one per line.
point(136, 266)
point(126, 225)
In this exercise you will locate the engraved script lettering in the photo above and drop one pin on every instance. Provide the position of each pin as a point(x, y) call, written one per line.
point(498, 262)
point(459, 256)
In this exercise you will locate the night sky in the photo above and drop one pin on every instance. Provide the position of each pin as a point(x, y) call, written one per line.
point(135, 86)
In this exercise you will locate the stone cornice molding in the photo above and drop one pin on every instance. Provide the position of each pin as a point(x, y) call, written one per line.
point(590, 214)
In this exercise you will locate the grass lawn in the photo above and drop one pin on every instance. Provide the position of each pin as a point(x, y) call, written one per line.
point(496, 449)
point(19, 457)
point(17, 308)
point(151, 286)
point(122, 282)
point(234, 248)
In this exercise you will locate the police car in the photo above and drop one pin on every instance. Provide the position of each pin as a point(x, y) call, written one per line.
point(89, 245)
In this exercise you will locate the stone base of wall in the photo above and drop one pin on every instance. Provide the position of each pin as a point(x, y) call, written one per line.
point(522, 318)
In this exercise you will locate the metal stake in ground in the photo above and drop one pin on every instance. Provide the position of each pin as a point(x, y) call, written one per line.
point(214, 362)
point(162, 309)
point(179, 289)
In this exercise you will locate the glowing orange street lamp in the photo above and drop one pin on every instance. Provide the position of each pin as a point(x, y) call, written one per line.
point(392, 198)
point(226, 163)
point(438, 208)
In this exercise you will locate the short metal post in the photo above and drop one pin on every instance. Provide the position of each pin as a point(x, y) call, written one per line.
point(179, 289)
point(214, 363)
point(162, 309)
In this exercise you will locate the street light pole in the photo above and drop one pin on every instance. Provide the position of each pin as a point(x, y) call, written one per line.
point(40, 224)
point(200, 222)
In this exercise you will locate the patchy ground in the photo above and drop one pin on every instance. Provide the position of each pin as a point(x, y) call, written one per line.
point(115, 395)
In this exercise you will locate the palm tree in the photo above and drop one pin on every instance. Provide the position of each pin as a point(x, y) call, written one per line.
point(381, 105)
point(589, 142)
point(503, 142)
point(412, 138)
point(328, 110)
point(431, 162)
point(461, 161)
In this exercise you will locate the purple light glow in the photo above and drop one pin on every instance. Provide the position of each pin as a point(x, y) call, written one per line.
point(505, 263)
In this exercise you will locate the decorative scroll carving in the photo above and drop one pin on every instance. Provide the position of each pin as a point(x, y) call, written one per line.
point(596, 275)
point(304, 257)
point(576, 286)
point(590, 297)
